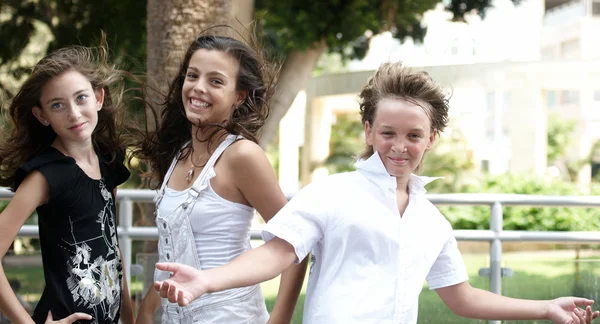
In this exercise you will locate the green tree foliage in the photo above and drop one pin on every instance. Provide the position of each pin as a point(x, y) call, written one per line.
point(346, 143)
point(526, 218)
point(343, 24)
point(73, 22)
point(560, 136)
point(560, 133)
point(452, 159)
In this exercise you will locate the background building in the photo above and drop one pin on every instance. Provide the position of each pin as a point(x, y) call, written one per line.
point(507, 73)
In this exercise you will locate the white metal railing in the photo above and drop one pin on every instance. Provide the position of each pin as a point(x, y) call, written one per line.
point(495, 235)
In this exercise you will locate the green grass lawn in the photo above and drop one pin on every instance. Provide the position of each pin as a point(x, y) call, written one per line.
point(537, 275)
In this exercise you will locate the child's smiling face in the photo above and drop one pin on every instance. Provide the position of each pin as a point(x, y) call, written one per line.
point(401, 133)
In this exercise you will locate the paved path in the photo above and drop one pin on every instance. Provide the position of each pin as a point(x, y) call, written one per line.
point(22, 260)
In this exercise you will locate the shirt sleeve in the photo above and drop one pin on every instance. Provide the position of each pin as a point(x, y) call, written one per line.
point(56, 168)
point(301, 222)
point(118, 172)
point(121, 173)
point(448, 269)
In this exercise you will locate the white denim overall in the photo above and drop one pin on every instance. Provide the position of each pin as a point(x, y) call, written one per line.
point(204, 230)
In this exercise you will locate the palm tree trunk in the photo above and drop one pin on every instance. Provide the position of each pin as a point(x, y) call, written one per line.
point(295, 72)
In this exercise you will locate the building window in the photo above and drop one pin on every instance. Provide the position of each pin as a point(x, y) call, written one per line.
point(569, 97)
point(485, 165)
point(551, 99)
point(595, 8)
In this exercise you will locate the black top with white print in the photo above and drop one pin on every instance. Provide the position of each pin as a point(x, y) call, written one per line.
point(78, 237)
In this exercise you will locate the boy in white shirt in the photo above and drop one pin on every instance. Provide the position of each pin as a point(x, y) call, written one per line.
point(374, 235)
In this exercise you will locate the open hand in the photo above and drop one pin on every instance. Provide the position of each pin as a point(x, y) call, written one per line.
point(566, 310)
point(69, 319)
point(184, 286)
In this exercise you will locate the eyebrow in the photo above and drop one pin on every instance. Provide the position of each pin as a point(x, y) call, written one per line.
point(411, 130)
point(209, 73)
point(59, 98)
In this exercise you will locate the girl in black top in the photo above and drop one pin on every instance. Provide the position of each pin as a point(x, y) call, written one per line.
point(62, 155)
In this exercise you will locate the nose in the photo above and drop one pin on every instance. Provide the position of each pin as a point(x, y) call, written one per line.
point(74, 112)
point(398, 147)
point(200, 86)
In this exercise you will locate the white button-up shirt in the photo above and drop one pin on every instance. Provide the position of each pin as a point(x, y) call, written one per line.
point(369, 264)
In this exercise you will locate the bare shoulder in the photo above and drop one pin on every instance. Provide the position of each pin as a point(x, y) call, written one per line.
point(34, 181)
point(244, 153)
point(31, 193)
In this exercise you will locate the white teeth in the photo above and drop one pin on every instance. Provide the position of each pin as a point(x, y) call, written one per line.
point(198, 103)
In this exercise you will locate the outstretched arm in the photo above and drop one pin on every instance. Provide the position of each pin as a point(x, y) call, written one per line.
point(252, 267)
point(470, 302)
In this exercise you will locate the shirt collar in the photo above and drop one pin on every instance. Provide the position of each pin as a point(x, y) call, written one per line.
point(374, 169)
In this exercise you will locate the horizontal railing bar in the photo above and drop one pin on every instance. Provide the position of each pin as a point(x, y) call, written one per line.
point(147, 195)
point(151, 233)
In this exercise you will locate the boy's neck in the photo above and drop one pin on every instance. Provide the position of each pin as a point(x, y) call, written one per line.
point(402, 183)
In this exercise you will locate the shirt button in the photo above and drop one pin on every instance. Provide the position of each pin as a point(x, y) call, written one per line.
point(166, 240)
point(168, 256)
point(164, 225)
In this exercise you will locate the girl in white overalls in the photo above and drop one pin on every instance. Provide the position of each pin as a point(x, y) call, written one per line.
point(213, 175)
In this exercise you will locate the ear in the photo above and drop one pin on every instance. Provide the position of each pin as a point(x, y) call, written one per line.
point(368, 133)
point(431, 139)
point(241, 96)
point(99, 94)
point(38, 113)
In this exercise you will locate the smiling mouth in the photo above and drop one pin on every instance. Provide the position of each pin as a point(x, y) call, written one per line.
point(78, 126)
point(198, 103)
point(398, 160)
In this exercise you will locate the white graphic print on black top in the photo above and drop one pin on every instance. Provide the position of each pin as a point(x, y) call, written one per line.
point(95, 284)
point(78, 237)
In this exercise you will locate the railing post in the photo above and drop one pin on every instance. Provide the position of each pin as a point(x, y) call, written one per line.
point(496, 252)
point(126, 222)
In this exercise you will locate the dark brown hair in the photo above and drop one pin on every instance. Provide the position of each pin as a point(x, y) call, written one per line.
point(24, 136)
point(396, 80)
point(255, 76)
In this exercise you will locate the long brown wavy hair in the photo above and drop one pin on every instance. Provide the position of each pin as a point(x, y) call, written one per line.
point(256, 76)
point(24, 136)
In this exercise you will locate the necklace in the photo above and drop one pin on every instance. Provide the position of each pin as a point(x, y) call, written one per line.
point(190, 174)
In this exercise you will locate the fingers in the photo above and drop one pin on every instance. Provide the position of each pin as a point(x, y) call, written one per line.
point(69, 319)
point(169, 290)
point(583, 301)
point(182, 300)
point(590, 314)
point(167, 266)
point(76, 317)
point(575, 318)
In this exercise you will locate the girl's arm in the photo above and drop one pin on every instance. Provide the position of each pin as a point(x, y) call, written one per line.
point(470, 302)
point(148, 308)
point(256, 180)
point(32, 193)
point(252, 267)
